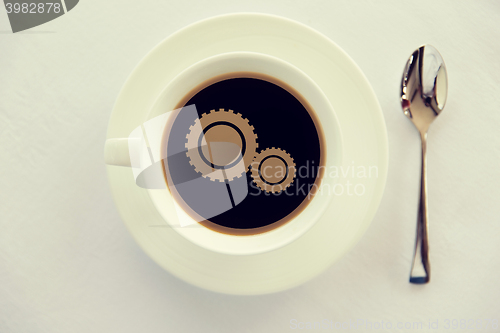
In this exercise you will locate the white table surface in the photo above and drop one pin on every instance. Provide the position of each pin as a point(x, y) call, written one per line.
point(68, 264)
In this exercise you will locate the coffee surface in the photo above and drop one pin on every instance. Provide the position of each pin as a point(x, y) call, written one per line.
point(254, 129)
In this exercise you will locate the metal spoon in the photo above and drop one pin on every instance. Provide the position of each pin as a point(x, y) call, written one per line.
point(424, 88)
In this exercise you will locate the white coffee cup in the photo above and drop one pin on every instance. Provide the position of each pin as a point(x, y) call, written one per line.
point(117, 152)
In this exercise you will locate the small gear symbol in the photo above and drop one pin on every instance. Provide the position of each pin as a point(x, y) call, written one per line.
point(221, 145)
point(273, 170)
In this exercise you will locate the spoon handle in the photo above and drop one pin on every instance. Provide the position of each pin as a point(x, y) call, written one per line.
point(421, 270)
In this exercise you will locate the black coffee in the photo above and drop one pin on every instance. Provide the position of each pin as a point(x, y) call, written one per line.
point(251, 153)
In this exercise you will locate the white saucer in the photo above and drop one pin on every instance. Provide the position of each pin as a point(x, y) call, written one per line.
point(365, 145)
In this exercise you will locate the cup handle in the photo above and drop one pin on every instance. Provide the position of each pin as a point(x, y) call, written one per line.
point(116, 152)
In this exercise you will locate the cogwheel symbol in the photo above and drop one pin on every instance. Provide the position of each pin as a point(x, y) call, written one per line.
point(221, 145)
point(273, 170)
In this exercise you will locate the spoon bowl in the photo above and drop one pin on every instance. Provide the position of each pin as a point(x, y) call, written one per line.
point(424, 87)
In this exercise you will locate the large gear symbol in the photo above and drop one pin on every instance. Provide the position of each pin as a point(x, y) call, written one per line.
point(223, 161)
point(273, 170)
